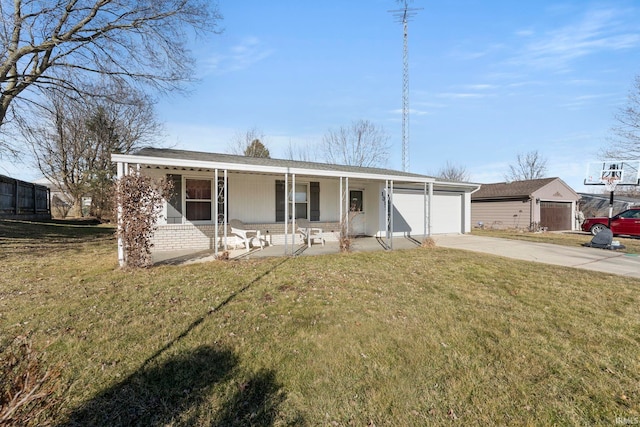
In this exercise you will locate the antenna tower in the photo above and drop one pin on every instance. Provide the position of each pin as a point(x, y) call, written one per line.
point(403, 15)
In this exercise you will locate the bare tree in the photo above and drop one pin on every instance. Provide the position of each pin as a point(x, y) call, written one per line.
point(249, 143)
point(302, 152)
point(64, 44)
point(625, 144)
point(451, 172)
point(362, 143)
point(72, 141)
point(529, 166)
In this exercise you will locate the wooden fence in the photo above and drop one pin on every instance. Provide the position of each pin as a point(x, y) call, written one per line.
point(23, 200)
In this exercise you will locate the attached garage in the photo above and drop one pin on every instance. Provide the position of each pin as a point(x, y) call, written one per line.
point(446, 220)
point(448, 212)
point(547, 203)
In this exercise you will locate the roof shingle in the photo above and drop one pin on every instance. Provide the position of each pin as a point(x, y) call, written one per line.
point(514, 189)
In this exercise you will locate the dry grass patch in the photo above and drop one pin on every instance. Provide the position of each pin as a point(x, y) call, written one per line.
point(388, 338)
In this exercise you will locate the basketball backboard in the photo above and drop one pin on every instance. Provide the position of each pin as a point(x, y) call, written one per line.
point(625, 172)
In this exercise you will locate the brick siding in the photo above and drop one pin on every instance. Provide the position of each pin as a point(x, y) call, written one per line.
point(173, 237)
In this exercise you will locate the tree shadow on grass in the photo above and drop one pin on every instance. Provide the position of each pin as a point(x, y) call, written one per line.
point(158, 394)
point(256, 403)
point(173, 392)
point(163, 394)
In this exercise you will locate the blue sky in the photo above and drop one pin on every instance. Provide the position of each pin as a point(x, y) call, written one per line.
point(488, 79)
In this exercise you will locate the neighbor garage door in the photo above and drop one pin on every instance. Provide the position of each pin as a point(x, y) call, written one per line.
point(555, 215)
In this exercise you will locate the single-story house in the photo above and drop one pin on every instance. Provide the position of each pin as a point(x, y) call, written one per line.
point(210, 189)
point(547, 203)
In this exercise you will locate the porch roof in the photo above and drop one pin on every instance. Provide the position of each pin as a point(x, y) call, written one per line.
point(164, 157)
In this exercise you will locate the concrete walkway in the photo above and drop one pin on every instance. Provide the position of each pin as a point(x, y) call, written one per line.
point(606, 261)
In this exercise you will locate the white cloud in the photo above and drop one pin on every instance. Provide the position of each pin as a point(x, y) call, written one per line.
point(243, 55)
point(461, 95)
point(597, 31)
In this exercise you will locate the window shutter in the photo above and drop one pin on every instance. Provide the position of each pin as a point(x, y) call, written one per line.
point(174, 204)
point(280, 201)
point(314, 200)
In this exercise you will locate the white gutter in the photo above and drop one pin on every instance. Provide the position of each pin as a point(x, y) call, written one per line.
point(279, 170)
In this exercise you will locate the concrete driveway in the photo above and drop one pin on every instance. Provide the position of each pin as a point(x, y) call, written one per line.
point(606, 261)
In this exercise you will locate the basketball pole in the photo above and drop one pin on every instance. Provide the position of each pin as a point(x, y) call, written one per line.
point(610, 208)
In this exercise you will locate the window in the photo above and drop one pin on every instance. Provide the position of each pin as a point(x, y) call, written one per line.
point(307, 203)
point(355, 197)
point(301, 200)
point(198, 199)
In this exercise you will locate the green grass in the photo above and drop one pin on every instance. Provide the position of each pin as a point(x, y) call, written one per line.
point(420, 337)
point(575, 238)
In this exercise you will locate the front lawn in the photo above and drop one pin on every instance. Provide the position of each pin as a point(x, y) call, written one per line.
point(569, 238)
point(418, 337)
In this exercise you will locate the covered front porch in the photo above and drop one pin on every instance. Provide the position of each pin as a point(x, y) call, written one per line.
point(358, 244)
point(273, 196)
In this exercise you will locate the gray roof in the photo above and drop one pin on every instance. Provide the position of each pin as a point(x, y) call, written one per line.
point(169, 153)
point(510, 190)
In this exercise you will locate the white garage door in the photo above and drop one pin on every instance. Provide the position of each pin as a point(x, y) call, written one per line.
point(409, 212)
point(447, 213)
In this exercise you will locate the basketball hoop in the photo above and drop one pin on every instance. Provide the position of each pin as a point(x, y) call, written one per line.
point(610, 182)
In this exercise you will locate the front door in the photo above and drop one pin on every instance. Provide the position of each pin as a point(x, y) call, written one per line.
point(357, 224)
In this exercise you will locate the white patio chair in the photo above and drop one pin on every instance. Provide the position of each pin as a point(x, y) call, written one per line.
point(245, 235)
point(309, 233)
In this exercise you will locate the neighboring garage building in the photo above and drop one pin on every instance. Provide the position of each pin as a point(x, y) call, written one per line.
point(547, 203)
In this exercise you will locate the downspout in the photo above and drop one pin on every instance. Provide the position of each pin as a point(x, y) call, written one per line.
point(532, 204)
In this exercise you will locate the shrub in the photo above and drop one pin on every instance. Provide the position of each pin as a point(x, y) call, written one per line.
point(27, 388)
point(428, 242)
point(139, 201)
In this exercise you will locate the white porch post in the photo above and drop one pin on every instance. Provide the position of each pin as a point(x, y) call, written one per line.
point(341, 203)
point(386, 210)
point(215, 213)
point(391, 209)
point(121, 260)
point(226, 208)
point(347, 205)
point(429, 225)
point(293, 212)
point(286, 212)
point(424, 211)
